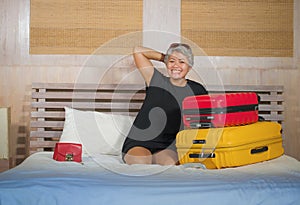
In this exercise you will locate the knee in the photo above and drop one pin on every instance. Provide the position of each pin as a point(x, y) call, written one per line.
point(130, 159)
point(166, 157)
point(138, 155)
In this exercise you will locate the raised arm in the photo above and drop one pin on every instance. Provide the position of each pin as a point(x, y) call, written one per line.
point(142, 58)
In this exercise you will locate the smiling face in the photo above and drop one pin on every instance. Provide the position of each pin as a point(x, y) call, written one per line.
point(177, 66)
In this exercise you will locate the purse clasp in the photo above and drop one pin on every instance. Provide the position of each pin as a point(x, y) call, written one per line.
point(69, 157)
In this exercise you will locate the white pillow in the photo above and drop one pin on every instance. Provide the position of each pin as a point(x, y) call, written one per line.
point(99, 133)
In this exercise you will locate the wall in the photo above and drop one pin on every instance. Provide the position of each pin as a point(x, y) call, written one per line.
point(18, 69)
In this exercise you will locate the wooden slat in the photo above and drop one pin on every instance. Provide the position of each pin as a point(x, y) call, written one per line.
point(44, 114)
point(90, 105)
point(271, 98)
point(47, 124)
point(42, 144)
point(75, 95)
point(272, 117)
point(270, 107)
point(88, 86)
point(55, 134)
point(246, 88)
point(61, 115)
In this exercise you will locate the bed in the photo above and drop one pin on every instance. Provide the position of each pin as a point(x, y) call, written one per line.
point(102, 177)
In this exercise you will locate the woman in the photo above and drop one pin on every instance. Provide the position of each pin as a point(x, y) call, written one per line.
point(151, 139)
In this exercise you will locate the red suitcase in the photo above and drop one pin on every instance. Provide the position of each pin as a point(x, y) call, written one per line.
point(220, 110)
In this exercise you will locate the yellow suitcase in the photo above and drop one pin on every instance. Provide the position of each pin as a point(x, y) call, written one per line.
point(230, 146)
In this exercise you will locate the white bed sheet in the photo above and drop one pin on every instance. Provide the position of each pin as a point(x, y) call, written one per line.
point(112, 163)
point(104, 179)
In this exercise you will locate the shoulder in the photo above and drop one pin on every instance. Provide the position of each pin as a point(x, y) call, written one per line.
point(158, 78)
point(194, 83)
point(197, 87)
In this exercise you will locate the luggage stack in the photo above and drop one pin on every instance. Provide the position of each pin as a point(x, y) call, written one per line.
point(222, 130)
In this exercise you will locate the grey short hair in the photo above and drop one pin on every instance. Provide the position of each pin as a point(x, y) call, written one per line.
point(181, 48)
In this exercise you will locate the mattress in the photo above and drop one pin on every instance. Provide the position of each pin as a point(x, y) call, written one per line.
point(104, 179)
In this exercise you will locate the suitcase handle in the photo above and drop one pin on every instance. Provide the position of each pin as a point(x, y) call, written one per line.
point(199, 141)
point(201, 125)
point(259, 150)
point(200, 118)
point(202, 155)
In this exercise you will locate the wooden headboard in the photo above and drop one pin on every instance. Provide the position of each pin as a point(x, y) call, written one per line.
point(49, 100)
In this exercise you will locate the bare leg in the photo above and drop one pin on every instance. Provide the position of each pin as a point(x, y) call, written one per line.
point(138, 155)
point(165, 157)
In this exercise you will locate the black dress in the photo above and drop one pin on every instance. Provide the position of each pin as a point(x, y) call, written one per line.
point(159, 119)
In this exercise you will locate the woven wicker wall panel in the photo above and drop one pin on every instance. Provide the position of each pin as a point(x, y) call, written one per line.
point(82, 26)
point(239, 27)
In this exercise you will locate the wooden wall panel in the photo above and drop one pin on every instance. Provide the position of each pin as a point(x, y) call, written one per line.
point(82, 26)
point(239, 28)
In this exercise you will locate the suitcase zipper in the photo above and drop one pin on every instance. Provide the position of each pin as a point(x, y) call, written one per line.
point(223, 110)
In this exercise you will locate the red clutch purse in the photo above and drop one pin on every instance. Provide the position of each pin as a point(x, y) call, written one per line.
point(67, 152)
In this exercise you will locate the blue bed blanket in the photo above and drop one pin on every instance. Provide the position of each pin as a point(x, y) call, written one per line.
point(102, 180)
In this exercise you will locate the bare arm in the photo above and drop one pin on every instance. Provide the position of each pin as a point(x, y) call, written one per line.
point(142, 58)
